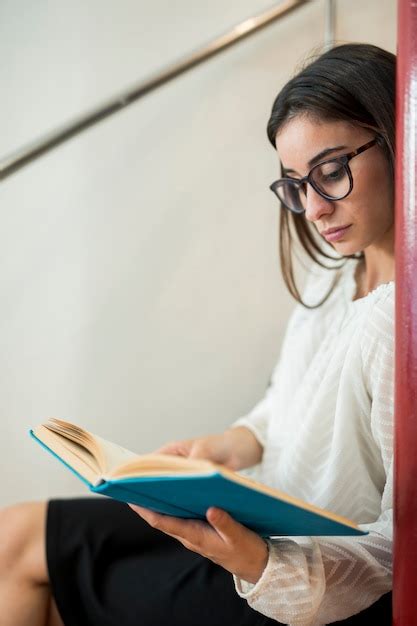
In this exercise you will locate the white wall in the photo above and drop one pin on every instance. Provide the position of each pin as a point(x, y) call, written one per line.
point(140, 289)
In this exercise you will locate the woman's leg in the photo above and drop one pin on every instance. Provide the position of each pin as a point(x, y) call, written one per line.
point(25, 598)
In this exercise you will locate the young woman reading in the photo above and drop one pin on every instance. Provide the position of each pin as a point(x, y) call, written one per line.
point(323, 431)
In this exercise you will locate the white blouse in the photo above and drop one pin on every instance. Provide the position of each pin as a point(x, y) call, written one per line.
point(326, 424)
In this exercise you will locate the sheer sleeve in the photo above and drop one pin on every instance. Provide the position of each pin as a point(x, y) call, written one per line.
point(313, 581)
point(258, 418)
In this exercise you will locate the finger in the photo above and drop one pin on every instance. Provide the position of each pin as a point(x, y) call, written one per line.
point(140, 510)
point(173, 448)
point(175, 526)
point(153, 518)
point(177, 448)
point(223, 523)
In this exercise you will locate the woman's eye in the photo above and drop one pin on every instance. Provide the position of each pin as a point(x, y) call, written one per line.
point(331, 172)
point(335, 175)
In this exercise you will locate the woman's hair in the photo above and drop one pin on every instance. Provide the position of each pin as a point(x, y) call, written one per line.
point(352, 82)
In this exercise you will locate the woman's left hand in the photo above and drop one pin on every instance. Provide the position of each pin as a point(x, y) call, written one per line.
point(222, 540)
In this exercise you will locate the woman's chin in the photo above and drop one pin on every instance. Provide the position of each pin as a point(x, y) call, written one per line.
point(346, 248)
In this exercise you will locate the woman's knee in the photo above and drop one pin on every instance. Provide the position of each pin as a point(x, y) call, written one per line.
point(23, 540)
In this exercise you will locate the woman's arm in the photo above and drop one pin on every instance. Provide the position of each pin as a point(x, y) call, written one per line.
point(318, 580)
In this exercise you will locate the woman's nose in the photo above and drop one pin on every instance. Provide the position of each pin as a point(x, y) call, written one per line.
point(316, 205)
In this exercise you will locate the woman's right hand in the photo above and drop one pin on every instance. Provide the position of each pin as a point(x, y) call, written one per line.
point(236, 448)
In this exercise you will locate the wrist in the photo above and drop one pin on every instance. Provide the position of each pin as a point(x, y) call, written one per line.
point(259, 562)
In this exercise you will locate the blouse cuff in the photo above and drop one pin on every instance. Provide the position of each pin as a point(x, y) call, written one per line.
point(249, 591)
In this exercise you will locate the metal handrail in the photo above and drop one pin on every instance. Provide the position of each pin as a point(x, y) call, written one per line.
point(30, 152)
point(329, 26)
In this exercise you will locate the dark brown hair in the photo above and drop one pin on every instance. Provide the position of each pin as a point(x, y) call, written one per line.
point(353, 82)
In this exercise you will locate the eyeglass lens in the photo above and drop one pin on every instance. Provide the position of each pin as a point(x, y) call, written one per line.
point(330, 178)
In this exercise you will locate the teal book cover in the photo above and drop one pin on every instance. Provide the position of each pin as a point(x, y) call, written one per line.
point(189, 489)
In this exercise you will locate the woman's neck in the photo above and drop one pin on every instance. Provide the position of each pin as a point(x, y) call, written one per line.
point(369, 278)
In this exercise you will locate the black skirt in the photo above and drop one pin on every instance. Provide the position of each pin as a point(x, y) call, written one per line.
point(107, 567)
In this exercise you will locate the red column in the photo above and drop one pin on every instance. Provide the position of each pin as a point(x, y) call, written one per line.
point(405, 469)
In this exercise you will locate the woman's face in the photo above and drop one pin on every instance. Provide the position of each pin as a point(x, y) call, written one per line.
point(369, 208)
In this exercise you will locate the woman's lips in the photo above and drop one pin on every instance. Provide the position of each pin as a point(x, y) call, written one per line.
point(338, 234)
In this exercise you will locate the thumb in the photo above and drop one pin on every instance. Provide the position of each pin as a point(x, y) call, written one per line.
point(223, 523)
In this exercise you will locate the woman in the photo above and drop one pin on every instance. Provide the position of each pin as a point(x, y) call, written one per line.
point(322, 432)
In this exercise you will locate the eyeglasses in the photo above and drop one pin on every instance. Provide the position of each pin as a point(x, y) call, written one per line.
point(331, 179)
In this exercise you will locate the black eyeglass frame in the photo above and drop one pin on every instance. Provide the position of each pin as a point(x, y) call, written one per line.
point(343, 159)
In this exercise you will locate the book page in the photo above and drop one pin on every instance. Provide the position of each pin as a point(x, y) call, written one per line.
point(114, 455)
point(75, 455)
point(112, 460)
point(107, 454)
point(162, 465)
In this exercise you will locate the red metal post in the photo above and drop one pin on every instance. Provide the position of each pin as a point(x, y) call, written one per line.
point(405, 437)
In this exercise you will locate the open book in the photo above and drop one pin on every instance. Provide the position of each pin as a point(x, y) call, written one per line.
point(184, 487)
